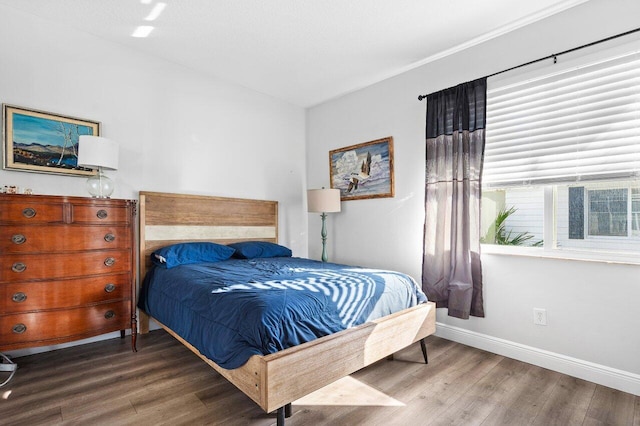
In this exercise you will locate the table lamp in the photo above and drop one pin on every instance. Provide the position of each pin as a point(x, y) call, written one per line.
point(323, 201)
point(101, 153)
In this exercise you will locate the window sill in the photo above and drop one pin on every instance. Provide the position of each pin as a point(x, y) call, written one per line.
point(563, 254)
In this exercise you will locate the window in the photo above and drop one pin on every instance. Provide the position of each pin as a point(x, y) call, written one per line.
point(598, 216)
point(562, 155)
point(607, 213)
point(635, 212)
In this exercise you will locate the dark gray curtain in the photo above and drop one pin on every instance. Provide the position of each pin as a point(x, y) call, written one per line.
point(451, 269)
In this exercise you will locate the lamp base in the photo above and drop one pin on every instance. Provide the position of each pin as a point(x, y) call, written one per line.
point(100, 186)
point(323, 234)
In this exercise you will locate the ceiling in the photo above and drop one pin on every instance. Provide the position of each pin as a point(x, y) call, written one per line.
point(302, 51)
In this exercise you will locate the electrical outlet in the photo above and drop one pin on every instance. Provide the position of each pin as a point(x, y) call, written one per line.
point(539, 316)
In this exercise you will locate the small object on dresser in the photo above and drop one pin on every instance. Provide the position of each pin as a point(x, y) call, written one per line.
point(101, 153)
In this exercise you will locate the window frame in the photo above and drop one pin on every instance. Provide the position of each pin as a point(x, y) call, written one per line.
point(549, 249)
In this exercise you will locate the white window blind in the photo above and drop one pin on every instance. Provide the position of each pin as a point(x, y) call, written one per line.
point(575, 124)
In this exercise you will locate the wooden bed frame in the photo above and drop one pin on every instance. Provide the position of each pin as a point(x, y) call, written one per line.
point(272, 381)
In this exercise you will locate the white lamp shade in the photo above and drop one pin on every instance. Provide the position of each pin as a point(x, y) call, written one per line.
point(323, 200)
point(96, 151)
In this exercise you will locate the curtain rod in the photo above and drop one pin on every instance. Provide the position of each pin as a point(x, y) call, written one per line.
point(555, 55)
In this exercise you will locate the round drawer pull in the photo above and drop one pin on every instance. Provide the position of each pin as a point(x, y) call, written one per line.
point(19, 297)
point(19, 328)
point(18, 239)
point(29, 212)
point(109, 237)
point(109, 288)
point(109, 314)
point(102, 214)
point(109, 261)
point(18, 267)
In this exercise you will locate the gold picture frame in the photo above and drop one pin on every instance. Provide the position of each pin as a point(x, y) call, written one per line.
point(364, 170)
point(43, 142)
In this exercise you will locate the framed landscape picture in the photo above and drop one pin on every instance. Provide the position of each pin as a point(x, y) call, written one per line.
point(38, 141)
point(364, 170)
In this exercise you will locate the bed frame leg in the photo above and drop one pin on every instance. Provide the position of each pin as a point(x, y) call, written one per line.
point(423, 346)
point(280, 416)
point(282, 413)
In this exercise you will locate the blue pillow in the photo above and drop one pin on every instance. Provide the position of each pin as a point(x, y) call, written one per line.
point(187, 253)
point(255, 249)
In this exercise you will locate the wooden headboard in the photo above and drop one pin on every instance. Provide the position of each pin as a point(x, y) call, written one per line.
point(173, 218)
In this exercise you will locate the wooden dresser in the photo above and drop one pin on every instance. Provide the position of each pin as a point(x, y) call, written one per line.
point(67, 269)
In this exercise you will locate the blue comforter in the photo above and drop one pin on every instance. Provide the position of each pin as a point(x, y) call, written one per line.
point(234, 309)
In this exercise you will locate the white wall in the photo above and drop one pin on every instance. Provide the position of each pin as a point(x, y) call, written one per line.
point(591, 307)
point(179, 131)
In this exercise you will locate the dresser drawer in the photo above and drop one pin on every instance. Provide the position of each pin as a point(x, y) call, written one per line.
point(27, 210)
point(100, 214)
point(26, 267)
point(42, 328)
point(38, 295)
point(33, 239)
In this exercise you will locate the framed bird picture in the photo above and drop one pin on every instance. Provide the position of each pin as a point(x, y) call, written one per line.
point(364, 170)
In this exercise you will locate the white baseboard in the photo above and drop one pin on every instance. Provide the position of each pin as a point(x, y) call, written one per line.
point(596, 373)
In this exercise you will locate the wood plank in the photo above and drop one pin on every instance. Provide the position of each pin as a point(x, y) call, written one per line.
point(233, 407)
point(311, 366)
point(610, 407)
point(295, 373)
point(184, 209)
point(380, 384)
point(528, 395)
point(179, 409)
point(116, 410)
point(167, 384)
point(36, 415)
point(567, 404)
point(426, 390)
point(480, 399)
point(217, 233)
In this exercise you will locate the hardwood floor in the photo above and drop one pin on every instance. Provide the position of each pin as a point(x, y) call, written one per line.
point(105, 383)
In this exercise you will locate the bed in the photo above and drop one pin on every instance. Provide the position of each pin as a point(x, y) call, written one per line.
point(282, 375)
